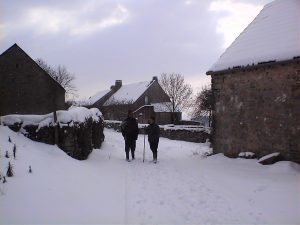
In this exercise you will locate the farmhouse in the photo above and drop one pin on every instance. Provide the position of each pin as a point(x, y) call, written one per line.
point(25, 88)
point(146, 98)
point(256, 86)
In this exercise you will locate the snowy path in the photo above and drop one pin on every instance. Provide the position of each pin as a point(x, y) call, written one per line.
point(183, 188)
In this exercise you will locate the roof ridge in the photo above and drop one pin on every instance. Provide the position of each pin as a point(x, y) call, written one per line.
point(126, 93)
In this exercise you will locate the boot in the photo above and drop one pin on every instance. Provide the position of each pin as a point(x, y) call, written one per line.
point(132, 155)
point(155, 157)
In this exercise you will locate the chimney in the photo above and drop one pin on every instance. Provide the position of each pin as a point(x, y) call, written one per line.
point(155, 78)
point(118, 84)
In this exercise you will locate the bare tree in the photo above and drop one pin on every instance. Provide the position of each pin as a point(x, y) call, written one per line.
point(62, 76)
point(203, 104)
point(45, 66)
point(178, 91)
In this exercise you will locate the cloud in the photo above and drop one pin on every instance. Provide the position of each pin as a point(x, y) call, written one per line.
point(235, 18)
point(132, 40)
point(82, 20)
point(198, 81)
point(2, 31)
point(188, 2)
point(118, 16)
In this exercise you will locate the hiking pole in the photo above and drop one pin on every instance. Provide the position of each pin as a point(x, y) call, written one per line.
point(144, 144)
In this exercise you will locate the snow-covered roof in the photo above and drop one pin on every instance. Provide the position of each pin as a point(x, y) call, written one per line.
point(274, 35)
point(93, 99)
point(129, 92)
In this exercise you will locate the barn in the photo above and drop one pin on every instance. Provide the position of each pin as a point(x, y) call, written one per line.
point(25, 88)
point(256, 86)
point(146, 98)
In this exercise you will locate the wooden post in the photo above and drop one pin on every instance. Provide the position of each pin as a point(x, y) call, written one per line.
point(55, 128)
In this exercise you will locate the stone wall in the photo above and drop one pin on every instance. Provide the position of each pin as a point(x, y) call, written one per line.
point(198, 135)
point(257, 109)
point(77, 140)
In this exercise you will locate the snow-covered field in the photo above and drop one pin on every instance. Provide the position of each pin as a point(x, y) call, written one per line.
point(183, 188)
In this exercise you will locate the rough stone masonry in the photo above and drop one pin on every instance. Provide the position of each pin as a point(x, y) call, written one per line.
point(257, 109)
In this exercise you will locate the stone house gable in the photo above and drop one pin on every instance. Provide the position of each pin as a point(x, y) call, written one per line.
point(153, 94)
point(25, 88)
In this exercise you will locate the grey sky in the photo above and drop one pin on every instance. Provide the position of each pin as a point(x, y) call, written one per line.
point(133, 40)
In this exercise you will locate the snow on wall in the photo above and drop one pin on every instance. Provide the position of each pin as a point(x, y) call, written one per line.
point(273, 35)
point(74, 114)
point(129, 92)
point(269, 156)
point(196, 128)
point(246, 154)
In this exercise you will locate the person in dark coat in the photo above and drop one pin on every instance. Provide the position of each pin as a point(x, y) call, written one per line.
point(153, 132)
point(130, 131)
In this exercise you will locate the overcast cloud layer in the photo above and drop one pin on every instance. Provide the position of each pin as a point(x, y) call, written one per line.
point(133, 40)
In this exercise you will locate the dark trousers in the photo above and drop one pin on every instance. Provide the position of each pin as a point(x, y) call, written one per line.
point(153, 147)
point(129, 146)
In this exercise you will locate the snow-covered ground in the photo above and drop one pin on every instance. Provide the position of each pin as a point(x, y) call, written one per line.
point(183, 188)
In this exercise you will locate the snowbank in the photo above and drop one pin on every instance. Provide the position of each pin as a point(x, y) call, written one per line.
point(183, 188)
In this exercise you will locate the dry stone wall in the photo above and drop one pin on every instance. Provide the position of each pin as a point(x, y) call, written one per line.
point(173, 132)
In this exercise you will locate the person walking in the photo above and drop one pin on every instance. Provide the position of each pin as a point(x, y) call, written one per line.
point(153, 132)
point(130, 131)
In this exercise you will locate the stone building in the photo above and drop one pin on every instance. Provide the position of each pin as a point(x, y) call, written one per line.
point(256, 86)
point(144, 98)
point(25, 88)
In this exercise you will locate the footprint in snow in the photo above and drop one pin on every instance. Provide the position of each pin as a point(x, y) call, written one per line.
point(262, 188)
